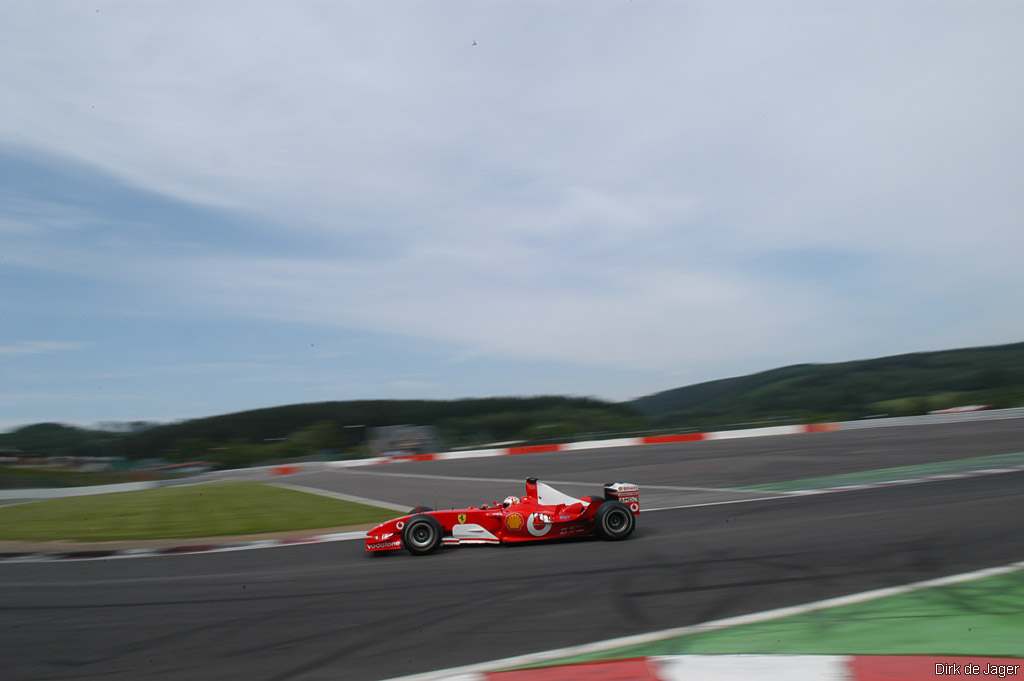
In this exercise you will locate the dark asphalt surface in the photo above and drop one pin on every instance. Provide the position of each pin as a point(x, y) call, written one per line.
point(330, 611)
point(679, 474)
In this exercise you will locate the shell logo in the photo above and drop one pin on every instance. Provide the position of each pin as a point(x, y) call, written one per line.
point(514, 522)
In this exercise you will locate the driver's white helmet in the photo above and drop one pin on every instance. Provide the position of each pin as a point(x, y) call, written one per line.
point(509, 501)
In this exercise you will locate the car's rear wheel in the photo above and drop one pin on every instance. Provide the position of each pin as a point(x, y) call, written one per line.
point(421, 534)
point(614, 521)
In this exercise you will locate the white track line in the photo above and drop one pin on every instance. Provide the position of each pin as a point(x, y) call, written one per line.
point(727, 502)
point(343, 497)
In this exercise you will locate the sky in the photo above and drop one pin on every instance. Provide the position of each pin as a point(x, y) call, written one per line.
point(213, 207)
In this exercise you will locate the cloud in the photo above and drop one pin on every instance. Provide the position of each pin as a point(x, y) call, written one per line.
point(666, 312)
point(637, 187)
point(39, 347)
point(338, 109)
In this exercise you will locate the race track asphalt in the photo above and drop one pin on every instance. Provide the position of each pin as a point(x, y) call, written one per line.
point(330, 611)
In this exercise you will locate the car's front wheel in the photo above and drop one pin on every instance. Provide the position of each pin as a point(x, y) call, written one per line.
point(614, 521)
point(421, 534)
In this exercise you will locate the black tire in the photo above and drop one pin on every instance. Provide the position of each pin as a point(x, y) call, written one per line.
point(614, 521)
point(421, 534)
point(419, 509)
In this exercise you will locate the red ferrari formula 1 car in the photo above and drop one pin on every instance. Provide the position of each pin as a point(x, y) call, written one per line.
point(543, 513)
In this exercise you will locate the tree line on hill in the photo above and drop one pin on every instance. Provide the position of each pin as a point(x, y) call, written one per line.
point(896, 386)
point(901, 385)
point(333, 429)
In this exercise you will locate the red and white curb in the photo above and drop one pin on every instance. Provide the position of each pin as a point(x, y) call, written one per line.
point(767, 668)
point(592, 444)
point(739, 667)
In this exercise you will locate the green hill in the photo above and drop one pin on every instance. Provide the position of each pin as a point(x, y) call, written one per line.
point(898, 386)
point(333, 428)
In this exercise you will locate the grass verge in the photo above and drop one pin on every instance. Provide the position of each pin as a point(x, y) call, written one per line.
point(181, 512)
point(891, 474)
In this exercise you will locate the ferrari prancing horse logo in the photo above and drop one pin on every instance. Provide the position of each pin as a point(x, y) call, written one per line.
point(462, 518)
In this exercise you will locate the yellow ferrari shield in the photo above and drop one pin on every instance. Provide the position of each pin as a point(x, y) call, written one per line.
point(462, 518)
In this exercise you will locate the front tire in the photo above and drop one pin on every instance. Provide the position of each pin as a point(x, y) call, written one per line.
point(421, 535)
point(614, 521)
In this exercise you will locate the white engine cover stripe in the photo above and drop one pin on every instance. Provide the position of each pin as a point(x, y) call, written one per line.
point(472, 532)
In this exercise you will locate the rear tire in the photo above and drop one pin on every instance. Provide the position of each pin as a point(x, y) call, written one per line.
point(614, 521)
point(421, 535)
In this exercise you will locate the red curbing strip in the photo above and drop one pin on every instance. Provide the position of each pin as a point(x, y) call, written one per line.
point(762, 667)
point(663, 439)
point(534, 449)
point(414, 457)
point(922, 667)
point(639, 669)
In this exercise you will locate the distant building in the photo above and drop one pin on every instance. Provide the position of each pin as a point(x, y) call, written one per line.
point(16, 457)
point(401, 440)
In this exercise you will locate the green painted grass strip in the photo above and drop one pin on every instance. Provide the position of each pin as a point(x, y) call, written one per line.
point(896, 473)
point(181, 512)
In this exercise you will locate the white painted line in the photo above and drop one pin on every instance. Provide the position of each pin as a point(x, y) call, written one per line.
point(348, 463)
point(711, 503)
point(753, 618)
point(747, 667)
point(343, 536)
point(601, 444)
point(343, 497)
point(890, 483)
point(753, 432)
point(469, 454)
point(897, 483)
point(669, 488)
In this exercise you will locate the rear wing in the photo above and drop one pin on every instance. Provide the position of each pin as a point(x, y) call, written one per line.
point(624, 492)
